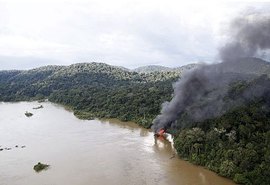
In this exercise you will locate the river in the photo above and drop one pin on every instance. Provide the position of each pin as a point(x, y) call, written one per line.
point(83, 152)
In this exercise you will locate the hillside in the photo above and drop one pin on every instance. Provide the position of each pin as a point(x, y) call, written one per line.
point(236, 144)
point(92, 90)
point(157, 68)
point(152, 68)
point(98, 86)
point(253, 66)
point(228, 129)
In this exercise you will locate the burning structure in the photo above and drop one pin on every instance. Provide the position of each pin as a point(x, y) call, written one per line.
point(160, 132)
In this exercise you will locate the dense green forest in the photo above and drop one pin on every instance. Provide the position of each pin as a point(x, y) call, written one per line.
point(235, 144)
point(94, 89)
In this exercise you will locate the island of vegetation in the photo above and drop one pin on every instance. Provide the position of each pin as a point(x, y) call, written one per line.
point(235, 144)
point(40, 166)
point(39, 107)
point(28, 114)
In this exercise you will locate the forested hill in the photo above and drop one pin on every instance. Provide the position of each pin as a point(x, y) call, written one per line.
point(93, 89)
point(235, 142)
point(157, 68)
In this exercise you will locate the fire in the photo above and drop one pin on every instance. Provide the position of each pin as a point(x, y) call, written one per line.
point(160, 133)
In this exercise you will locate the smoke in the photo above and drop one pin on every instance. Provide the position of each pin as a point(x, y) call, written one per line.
point(201, 93)
point(249, 34)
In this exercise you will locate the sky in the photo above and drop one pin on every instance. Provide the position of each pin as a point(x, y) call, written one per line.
point(128, 33)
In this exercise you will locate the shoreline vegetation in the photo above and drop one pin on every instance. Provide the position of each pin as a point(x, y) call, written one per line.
point(234, 145)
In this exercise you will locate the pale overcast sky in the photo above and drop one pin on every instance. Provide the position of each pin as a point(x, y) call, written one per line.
point(127, 33)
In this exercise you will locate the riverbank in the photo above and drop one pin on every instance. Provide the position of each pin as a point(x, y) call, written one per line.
point(87, 151)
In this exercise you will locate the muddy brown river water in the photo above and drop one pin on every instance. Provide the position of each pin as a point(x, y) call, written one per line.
point(96, 152)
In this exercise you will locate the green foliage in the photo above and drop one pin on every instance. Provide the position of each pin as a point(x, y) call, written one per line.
point(93, 90)
point(39, 167)
point(158, 69)
point(28, 114)
point(132, 102)
point(235, 145)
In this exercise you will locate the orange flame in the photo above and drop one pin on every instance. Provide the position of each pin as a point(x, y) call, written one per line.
point(161, 132)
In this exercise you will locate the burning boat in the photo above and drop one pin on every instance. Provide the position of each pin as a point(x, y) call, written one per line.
point(160, 133)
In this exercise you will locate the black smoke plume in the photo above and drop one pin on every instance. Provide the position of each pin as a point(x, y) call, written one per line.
point(200, 94)
point(248, 35)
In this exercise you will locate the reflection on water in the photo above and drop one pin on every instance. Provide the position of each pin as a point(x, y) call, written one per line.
point(87, 152)
point(162, 144)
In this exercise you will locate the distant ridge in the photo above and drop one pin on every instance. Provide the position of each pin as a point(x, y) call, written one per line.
point(253, 66)
point(158, 68)
point(151, 68)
